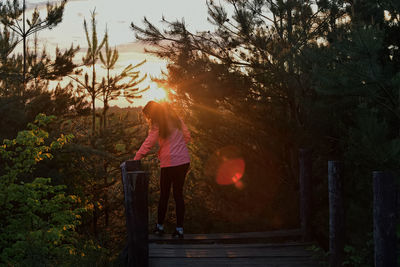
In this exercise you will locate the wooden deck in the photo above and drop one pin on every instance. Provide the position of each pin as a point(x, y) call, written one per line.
point(276, 248)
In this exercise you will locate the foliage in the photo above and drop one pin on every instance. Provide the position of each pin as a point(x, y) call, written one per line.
point(356, 78)
point(115, 86)
point(320, 254)
point(61, 101)
point(247, 84)
point(24, 78)
point(40, 67)
point(355, 256)
point(90, 59)
point(84, 173)
point(275, 76)
point(10, 16)
point(38, 219)
point(11, 11)
point(111, 87)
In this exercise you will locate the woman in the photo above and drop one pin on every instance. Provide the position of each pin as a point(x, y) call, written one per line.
point(172, 136)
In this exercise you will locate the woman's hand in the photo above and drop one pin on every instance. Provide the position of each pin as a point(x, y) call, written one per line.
point(133, 156)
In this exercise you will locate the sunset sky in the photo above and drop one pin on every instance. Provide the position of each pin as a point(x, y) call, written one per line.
point(117, 15)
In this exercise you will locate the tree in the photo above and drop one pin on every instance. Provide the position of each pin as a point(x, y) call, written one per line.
point(7, 44)
point(116, 86)
point(356, 78)
point(321, 74)
point(277, 75)
point(37, 98)
point(10, 16)
point(247, 84)
point(90, 59)
point(113, 87)
point(38, 220)
point(253, 66)
point(17, 110)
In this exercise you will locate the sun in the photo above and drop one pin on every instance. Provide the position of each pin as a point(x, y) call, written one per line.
point(157, 93)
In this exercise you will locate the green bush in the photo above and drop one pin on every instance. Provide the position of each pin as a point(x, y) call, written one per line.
point(37, 219)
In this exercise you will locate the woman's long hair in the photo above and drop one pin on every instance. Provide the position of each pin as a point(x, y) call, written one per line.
point(163, 116)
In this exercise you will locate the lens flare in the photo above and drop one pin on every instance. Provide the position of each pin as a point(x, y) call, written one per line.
point(227, 165)
point(230, 171)
point(239, 185)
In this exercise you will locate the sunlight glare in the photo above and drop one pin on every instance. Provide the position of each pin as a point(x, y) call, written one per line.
point(156, 93)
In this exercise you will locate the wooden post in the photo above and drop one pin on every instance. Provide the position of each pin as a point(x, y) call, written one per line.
point(384, 219)
point(135, 182)
point(304, 185)
point(336, 214)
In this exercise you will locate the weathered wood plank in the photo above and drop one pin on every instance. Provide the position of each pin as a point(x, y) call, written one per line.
point(245, 245)
point(228, 253)
point(211, 262)
point(228, 236)
point(232, 254)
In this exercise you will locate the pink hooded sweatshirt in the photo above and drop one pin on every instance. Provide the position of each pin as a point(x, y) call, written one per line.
point(173, 150)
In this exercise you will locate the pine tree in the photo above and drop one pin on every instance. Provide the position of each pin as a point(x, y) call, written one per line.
point(116, 86)
point(247, 84)
point(10, 14)
point(90, 59)
point(24, 78)
point(255, 58)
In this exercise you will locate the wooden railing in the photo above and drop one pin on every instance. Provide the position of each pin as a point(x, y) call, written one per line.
point(384, 211)
point(135, 182)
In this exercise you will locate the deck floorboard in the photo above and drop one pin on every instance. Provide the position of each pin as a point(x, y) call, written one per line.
point(231, 249)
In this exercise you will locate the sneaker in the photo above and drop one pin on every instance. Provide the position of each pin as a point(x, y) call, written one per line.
point(158, 231)
point(177, 234)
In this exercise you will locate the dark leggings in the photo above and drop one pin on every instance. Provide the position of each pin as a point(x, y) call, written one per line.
point(174, 176)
